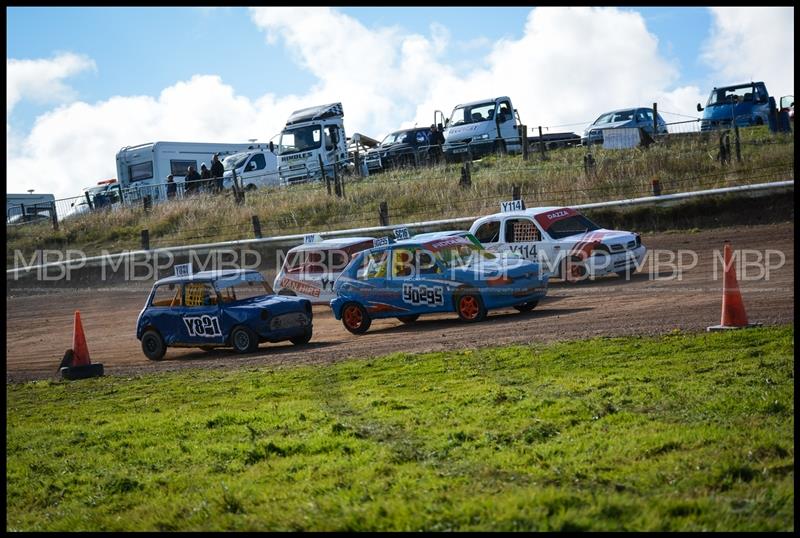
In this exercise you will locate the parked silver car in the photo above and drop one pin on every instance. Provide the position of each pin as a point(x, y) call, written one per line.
point(616, 119)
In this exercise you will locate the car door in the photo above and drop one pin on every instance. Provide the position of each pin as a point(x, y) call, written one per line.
point(199, 314)
point(488, 233)
point(413, 281)
point(522, 236)
point(508, 127)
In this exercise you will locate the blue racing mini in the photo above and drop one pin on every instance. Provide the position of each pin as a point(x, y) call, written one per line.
point(220, 308)
point(443, 273)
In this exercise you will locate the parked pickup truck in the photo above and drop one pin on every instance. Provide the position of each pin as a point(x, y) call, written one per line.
point(481, 128)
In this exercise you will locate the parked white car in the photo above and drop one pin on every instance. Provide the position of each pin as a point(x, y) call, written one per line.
point(310, 269)
point(254, 169)
point(565, 242)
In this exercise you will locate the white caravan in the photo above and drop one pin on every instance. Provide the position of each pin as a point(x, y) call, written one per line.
point(310, 135)
point(141, 167)
point(482, 127)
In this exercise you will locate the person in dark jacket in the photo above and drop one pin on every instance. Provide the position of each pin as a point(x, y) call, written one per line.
point(172, 187)
point(205, 176)
point(217, 171)
point(192, 181)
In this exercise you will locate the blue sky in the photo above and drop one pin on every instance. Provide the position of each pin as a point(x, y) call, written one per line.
point(103, 78)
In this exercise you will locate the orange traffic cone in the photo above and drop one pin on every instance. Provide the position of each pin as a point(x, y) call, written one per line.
point(76, 363)
point(79, 348)
point(733, 314)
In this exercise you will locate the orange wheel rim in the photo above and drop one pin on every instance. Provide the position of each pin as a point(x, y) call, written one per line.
point(352, 316)
point(468, 307)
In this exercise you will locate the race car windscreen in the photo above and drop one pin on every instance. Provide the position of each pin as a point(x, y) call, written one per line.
point(572, 225)
point(462, 254)
point(243, 287)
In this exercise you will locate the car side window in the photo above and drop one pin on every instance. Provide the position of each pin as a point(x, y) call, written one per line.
point(167, 295)
point(488, 232)
point(199, 294)
point(402, 262)
point(426, 264)
point(421, 138)
point(373, 265)
point(258, 162)
point(521, 231)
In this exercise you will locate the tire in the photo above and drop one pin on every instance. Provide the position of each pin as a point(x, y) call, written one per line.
point(250, 188)
point(153, 345)
point(409, 319)
point(355, 318)
point(469, 307)
point(526, 307)
point(577, 269)
point(303, 338)
point(244, 340)
point(82, 372)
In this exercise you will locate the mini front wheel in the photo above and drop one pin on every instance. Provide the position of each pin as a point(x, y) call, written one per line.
point(244, 340)
point(355, 318)
point(470, 307)
point(303, 338)
point(153, 345)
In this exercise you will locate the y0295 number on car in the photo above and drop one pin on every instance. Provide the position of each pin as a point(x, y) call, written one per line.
point(207, 326)
point(423, 295)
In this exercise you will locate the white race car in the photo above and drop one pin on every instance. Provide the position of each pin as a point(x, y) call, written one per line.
point(565, 242)
point(310, 269)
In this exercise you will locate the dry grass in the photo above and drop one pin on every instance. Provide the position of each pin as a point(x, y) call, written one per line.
point(683, 163)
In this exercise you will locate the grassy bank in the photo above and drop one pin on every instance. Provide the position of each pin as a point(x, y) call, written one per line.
point(682, 432)
point(683, 163)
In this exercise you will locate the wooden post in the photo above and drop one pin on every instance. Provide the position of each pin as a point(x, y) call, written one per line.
point(357, 162)
point(466, 174)
point(341, 180)
point(256, 227)
point(383, 214)
point(147, 203)
point(325, 177)
point(337, 186)
point(656, 187)
point(145, 240)
point(655, 119)
point(54, 215)
point(523, 137)
point(88, 200)
point(736, 143)
point(515, 192)
point(541, 145)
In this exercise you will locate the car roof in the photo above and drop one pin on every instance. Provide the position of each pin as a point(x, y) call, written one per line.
point(530, 212)
point(479, 101)
point(331, 243)
point(434, 235)
point(205, 276)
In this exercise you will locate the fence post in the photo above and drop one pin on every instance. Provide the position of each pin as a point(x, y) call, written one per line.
point(656, 187)
point(147, 203)
point(256, 227)
point(736, 143)
point(383, 214)
point(655, 119)
point(88, 200)
point(466, 174)
point(325, 177)
point(341, 180)
point(588, 164)
point(145, 240)
point(54, 215)
point(724, 147)
point(541, 145)
point(523, 136)
point(357, 163)
point(515, 192)
point(337, 186)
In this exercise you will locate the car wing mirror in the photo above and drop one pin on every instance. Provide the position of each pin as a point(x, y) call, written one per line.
point(699, 107)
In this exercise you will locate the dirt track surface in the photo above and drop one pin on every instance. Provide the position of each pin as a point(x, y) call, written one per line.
point(40, 328)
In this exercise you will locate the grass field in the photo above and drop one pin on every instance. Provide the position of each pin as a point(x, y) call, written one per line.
point(680, 432)
point(680, 163)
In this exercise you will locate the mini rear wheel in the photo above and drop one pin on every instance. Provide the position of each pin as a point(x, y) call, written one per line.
point(153, 345)
point(355, 318)
point(244, 340)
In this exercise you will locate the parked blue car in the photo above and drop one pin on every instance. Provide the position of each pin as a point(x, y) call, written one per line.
point(625, 118)
point(453, 273)
point(220, 308)
point(746, 104)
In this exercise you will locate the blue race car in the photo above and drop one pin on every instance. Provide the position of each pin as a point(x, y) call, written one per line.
point(220, 308)
point(450, 273)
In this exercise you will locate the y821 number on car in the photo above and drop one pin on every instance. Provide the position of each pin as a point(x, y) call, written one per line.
point(423, 295)
point(206, 326)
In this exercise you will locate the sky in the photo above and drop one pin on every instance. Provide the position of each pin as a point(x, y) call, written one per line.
point(84, 82)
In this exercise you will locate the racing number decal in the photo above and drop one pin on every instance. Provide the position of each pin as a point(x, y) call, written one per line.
point(423, 295)
point(206, 326)
point(528, 251)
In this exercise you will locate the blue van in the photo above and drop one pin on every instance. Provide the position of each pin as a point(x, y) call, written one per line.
point(747, 104)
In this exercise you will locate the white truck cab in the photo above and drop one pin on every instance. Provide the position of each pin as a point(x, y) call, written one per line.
point(481, 128)
point(254, 168)
point(310, 269)
point(563, 241)
point(312, 134)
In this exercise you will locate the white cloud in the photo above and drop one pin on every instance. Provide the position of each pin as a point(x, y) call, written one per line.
point(42, 80)
point(569, 65)
point(752, 44)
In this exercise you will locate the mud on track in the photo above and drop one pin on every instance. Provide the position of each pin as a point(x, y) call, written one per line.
point(39, 326)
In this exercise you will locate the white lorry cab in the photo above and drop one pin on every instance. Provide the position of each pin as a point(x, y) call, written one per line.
point(142, 170)
point(480, 128)
point(566, 243)
point(310, 269)
point(253, 169)
point(310, 135)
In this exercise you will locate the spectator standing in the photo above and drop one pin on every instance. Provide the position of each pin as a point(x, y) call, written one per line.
point(205, 176)
point(217, 171)
point(172, 187)
point(192, 181)
point(436, 139)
